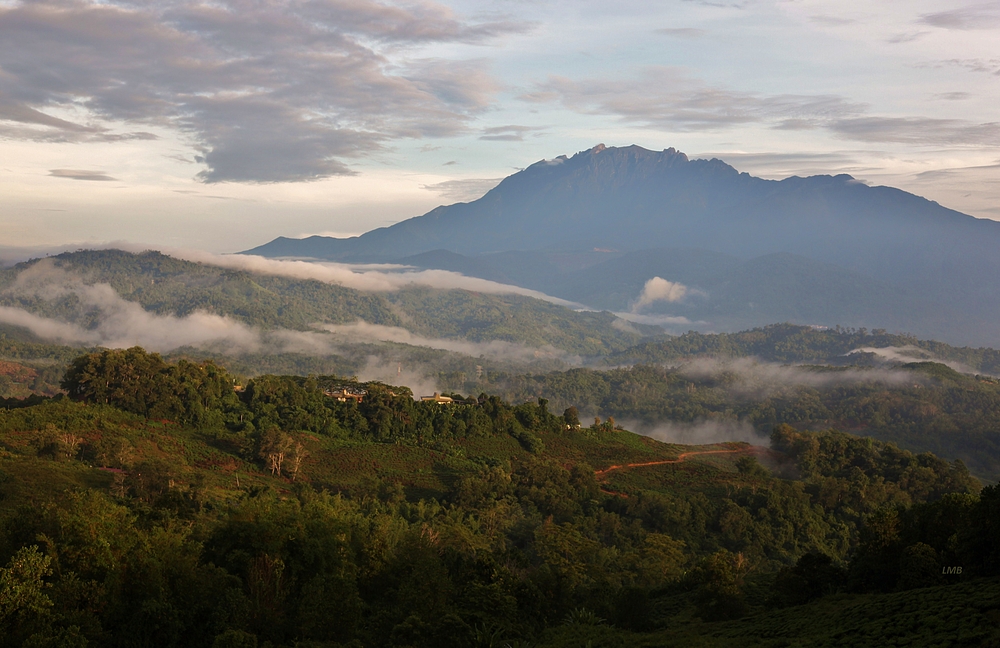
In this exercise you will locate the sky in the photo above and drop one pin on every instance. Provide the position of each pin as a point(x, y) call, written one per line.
point(220, 125)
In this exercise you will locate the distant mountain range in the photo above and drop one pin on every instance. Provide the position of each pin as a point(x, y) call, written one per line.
point(595, 227)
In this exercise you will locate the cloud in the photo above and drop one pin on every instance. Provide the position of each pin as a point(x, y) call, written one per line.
point(698, 433)
point(393, 374)
point(953, 171)
point(77, 174)
point(906, 37)
point(266, 92)
point(465, 190)
point(658, 289)
point(664, 97)
point(986, 66)
point(117, 323)
point(913, 354)
point(751, 377)
point(666, 321)
point(917, 131)
point(494, 349)
point(24, 122)
point(46, 328)
point(510, 133)
point(785, 164)
point(953, 96)
point(95, 315)
point(982, 16)
point(833, 21)
point(682, 32)
point(366, 277)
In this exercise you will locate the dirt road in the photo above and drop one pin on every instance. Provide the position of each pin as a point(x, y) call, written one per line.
point(684, 456)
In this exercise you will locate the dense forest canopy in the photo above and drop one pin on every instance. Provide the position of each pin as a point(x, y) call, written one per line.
point(168, 503)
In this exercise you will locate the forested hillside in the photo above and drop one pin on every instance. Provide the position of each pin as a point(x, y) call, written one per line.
point(920, 406)
point(174, 504)
point(67, 288)
point(788, 343)
point(868, 383)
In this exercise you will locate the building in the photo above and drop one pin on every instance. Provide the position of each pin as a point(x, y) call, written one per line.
point(344, 394)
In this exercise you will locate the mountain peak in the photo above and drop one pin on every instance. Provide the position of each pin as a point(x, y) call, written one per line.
point(633, 150)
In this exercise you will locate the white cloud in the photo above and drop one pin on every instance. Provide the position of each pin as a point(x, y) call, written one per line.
point(658, 289)
point(494, 349)
point(118, 323)
point(264, 92)
point(377, 277)
point(750, 376)
point(911, 353)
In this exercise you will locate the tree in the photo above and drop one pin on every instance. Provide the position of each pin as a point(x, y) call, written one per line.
point(719, 586)
point(25, 608)
point(297, 456)
point(273, 447)
point(571, 417)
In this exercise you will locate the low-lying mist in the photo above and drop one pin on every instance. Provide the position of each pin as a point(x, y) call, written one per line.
point(117, 323)
point(699, 432)
point(493, 349)
point(912, 353)
point(65, 309)
point(753, 377)
point(365, 277)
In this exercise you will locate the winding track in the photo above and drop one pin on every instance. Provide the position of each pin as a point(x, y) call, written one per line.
point(681, 458)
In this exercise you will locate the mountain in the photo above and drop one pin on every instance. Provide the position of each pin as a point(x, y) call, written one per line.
point(911, 263)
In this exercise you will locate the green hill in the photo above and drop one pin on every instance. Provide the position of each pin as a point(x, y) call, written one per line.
point(167, 286)
point(807, 344)
point(162, 505)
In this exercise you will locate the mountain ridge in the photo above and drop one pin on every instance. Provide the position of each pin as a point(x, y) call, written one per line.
point(943, 264)
point(601, 170)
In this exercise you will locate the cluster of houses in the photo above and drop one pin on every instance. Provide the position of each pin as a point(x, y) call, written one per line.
point(346, 393)
point(448, 400)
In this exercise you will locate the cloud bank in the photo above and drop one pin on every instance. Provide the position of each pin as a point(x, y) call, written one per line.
point(494, 349)
point(910, 353)
point(95, 315)
point(118, 323)
point(465, 190)
point(751, 377)
point(666, 98)
point(264, 92)
point(377, 278)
